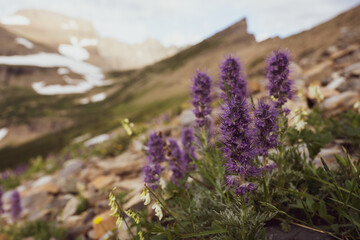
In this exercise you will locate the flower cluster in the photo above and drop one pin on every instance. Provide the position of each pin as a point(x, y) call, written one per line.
point(156, 156)
point(176, 164)
point(114, 207)
point(1, 202)
point(265, 126)
point(232, 76)
point(277, 72)
point(244, 138)
point(237, 135)
point(201, 89)
point(15, 205)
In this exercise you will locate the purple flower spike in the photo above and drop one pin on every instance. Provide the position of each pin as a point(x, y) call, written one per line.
point(187, 138)
point(231, 73)
point(266, 127)
point(152, 173)
point(155, 148)
point(176, 164)
point(201, 90)
point(244, 188)
point(15, 205)
point(153, 169)
point(237, 135)
point(277, 71)
point(1, 202)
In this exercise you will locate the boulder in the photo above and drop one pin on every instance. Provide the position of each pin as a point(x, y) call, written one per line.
point(101, 182)
point(71, 167)
point(70, 208)
point(107, 223)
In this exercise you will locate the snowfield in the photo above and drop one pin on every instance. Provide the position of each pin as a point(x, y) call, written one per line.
point(3, 133)
point(74, 51)
point(15, 20)
point(26, 43)
point(92, 75)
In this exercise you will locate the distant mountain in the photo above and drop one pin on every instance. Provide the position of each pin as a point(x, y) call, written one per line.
point(78, 38)
point(144, 93)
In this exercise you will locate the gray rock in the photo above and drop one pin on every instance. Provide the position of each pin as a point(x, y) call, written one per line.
point(187, 117)
point(71, 167)
point(70, 208)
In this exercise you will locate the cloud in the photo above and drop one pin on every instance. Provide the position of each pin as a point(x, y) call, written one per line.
point(188, 21)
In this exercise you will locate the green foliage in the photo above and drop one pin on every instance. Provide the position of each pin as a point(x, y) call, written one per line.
point(10, 182)
point(39, 230)
point(82, 206)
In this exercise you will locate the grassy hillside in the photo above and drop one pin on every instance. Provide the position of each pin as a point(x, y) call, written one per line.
point(143, 94)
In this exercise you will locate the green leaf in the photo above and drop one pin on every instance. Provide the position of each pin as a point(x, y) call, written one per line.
point(205, 233)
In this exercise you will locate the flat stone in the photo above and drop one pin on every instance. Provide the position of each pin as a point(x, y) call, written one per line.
point(344, 52)
point(68, 185)
point(328, 155)
point(49, 188)
point(318, 68)
point(74, 221)
point(124, 163)
point(353, 69)
point(187, 117)
point(35, 199)
point(341, 101)
point(102, 181)
point(130, 184)
point(70, 208)
point(71, 167)
point(336, 82)
point(107, 223)
point(42, 180)
point(90, 173)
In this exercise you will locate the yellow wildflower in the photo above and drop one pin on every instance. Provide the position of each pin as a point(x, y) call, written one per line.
point(141, 237)
point(133, 215)
point(145, 196)
point(97, 220)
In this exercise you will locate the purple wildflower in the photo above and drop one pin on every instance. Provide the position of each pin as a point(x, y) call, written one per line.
point(155, 148)
point(187, 138)
point(278, 74)
point(156, 156)
point(237, 135)
point(201, 98)
point(15, 205)
point(231, 73)
point(176, 164)
point(244, 188)
point(269, 167)
point(265, 126)
point(1, 202)
point(152, 173)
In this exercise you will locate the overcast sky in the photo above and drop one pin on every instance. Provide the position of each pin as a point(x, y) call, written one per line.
point(181, 22)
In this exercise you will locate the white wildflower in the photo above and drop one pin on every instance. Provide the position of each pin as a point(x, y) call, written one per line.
point(314, 92)
point(158, 211)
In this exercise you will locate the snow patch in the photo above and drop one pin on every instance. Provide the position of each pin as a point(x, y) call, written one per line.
point(15, 20)
point(88, 42)
point(70, 25)
point(98, 97)
point(92, 74)
point(62, 71)
point(3, 133)
point(95, 98)
point(96, 140)
point(26, 43)
point(74, 52)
